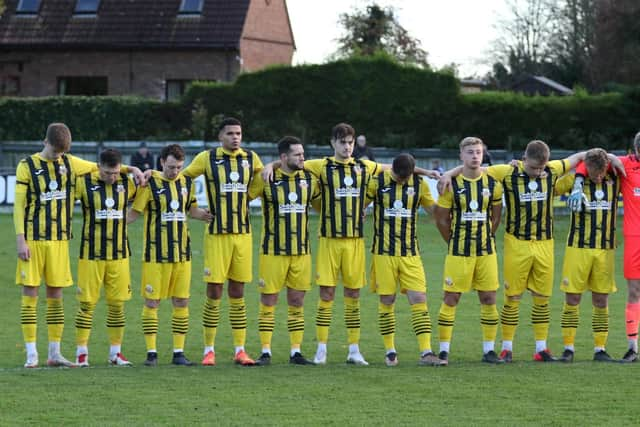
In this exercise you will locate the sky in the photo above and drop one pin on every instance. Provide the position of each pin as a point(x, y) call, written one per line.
point(451, 31)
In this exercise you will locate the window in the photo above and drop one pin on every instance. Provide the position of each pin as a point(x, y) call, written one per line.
point(174, 89)
point(28, 6)
point(9, 85)
point(191, 6)
point(89, 86)
point(87, 6)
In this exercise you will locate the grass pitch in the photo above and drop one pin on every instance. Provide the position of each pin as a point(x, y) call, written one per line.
point(465, 392)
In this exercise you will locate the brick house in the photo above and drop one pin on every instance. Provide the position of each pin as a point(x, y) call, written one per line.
point(153, 48)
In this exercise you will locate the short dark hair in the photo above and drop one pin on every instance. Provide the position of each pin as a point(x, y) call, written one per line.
point(284, 145)
point(174, 150)
point(403, 165)
point(110, 158)
point(342, 130)
point(59, 136)
point(228, 121)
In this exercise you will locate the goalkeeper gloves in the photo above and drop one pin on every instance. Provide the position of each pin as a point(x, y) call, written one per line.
point(577, 197)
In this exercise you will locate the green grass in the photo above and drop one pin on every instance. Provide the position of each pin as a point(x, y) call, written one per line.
point(466, 392)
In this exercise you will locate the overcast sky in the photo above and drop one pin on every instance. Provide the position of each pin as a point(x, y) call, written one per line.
point(458, 31)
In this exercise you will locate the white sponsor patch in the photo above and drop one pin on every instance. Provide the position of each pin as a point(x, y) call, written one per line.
point(53, 195)
point(173, 216)
point(109, 214)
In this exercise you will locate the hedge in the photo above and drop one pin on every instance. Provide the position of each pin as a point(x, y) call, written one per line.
point(394, 105)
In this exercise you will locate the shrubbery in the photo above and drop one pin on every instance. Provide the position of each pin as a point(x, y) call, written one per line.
point(394, 105)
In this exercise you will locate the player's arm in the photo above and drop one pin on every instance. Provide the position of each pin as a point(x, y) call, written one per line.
point(443, 221)
point(496, 207)
point(496, 215)
point(23, 178)
point(444, 183)
point(82, 167)
point(197, 166)
point(199, 213)
point(256, 187)
point(426, 199)
point(564, 184)
point(139, 204)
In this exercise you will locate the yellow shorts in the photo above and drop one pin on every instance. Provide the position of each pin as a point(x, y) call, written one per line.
point(588, 270)
point(387, 272)
point(164, 280)
point(463, 274)
point(113, 275)
point(49, 262)
point(228, 256)
point(277, 271)
point(528, 264)
point(340, 256)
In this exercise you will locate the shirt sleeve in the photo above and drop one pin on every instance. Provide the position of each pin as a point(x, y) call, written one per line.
point(426, 199)
point(141, 200)
point(256, 187)
point(497, 194)
point(132, 188)
point(23, 178)
point(314, 166)
point(558, 167)
point(82, 166)
point(197, 166)
point(564, 184)
point(446, 200)
point(499, 172)
point(257, 164)
point(79, 188)
point(373, 167)
point(372, 187)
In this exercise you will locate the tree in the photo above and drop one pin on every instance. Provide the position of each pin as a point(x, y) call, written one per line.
point(523, 44)
point(376, 30)
point(617, 42)
point(573, 42)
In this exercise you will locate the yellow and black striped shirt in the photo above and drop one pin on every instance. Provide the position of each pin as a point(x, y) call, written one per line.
point(104, 208)
point(395, 213)
point(471, 202)
point(228, 176)
point(286, 201)
point(529, 201)
point(343, 186)
point(594, 227)
point(45, 188)
point(165, 204)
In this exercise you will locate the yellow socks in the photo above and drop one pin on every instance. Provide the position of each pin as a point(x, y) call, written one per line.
point(266, 321)
point(28, 318)
point(210, 320)
point(238, 319)
point(387, 324)
point(352, 319)
point(323, 320)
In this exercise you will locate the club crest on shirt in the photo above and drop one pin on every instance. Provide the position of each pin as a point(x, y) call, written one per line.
point(486, 192)
point(62, 169)
point(357, 169)
point(303, 183)
point(184, 190)
point(411, 191)
point(120, 188)
point(245, 163)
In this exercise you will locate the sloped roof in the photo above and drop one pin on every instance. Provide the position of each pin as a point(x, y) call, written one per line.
point(553, 84)
point(125, 24)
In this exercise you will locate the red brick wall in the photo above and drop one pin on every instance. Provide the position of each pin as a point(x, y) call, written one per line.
point(266, 38)
point(138, 73)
